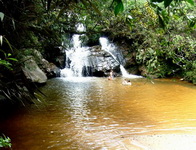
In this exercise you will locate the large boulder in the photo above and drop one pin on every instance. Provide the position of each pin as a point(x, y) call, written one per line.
point(94, 62)
point(101, 60)
point(99, 63)
point(50, 69)
point(32, 71)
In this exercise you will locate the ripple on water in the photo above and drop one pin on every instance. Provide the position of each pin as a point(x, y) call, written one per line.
point(94, 113)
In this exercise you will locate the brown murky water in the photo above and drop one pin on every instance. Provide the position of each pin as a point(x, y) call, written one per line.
point(97, 114)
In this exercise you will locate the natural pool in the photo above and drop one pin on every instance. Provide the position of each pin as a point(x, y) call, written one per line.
point(98, 114)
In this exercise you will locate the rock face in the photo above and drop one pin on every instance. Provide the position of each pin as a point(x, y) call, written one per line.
point(37, 69)
point(50, 69)
point(101, 61)
point(32, 71)
point(96, 62)
point(129, 54)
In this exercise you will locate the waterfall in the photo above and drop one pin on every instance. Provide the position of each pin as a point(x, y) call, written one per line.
point(115, 53)
point(126, 74)
point(76, 57)
point(84, 61)
point(111, 49)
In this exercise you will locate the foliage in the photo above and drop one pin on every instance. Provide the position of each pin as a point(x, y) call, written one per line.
point(24, 25)
point(161, 32)
point(119, 7)
point(167, 3)
point(162, 36)
point(166, 60)
point(5, 142)
point(6, 59)
point(190, 74)
point(12, 85)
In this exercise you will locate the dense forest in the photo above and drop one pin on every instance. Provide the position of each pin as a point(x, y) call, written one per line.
point(160, 33)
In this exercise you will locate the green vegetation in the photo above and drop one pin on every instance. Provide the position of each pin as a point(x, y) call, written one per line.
point(161, 34)
point(5, 142)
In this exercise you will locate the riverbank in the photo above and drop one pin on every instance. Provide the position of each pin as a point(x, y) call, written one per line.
point(157, 142)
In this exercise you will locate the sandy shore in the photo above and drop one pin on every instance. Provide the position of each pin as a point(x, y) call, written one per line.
point(157, 142)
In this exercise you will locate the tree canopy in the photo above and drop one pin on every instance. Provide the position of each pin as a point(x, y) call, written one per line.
point(161, 33)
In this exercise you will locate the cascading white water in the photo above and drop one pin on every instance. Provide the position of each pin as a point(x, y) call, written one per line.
point(126, 74)
point(79, 58)
point(112, 50)
point(76, 57)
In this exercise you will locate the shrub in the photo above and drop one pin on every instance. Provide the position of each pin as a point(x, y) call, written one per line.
point(5, 142)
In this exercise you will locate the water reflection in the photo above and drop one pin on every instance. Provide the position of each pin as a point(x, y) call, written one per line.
point(78, 99)
point(94, 113)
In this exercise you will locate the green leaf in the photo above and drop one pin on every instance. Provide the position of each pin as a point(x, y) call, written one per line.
point(95, 8)
point(119, 7)
point(13, 59)
point(60, 13)
point(5, 142)
point(161, 22)
point(1, 16)
point(167, 3)
point(1, 40)
point(91, 5)
point(192, 23)
point(159, 1)
point(8, 43)
point(190, 2)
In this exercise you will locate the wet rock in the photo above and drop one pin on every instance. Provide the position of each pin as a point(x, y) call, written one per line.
point(50, 69)
point(101, 61)
point(143, 70)
point(32, 71)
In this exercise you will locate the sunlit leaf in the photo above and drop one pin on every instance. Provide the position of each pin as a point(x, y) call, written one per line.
point(1, 16)
point(1, 39)
point(13, 59)
point(190, 2)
